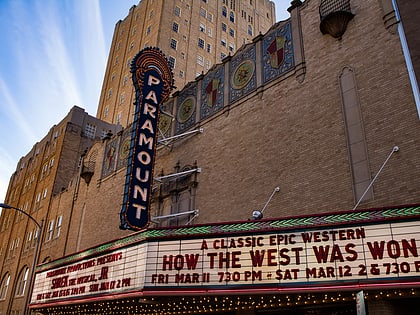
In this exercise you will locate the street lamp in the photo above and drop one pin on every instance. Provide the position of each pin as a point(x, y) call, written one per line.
point(36, 255)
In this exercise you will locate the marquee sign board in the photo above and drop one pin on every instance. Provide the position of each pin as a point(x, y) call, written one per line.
point(340, 256)
point(153, 81)
point(329, 256)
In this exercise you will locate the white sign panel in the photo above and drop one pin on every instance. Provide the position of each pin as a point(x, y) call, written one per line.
point(313, 257)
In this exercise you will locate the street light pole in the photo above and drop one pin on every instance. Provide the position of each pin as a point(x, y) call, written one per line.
point(36, 255)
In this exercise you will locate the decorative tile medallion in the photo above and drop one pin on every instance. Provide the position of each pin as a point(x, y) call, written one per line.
point(242, 73)
point(185, 111)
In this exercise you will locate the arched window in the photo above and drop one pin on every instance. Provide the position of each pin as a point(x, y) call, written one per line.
point(22, 281)
point(232, 17)
point(4, 286)
point(224, 11)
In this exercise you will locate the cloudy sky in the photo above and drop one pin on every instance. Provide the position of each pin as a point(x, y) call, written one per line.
point(53, 56)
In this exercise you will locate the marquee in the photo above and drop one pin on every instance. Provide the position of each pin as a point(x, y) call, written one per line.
point(362, 249)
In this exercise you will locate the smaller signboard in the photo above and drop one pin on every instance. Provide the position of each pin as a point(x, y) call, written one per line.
point(117, 271)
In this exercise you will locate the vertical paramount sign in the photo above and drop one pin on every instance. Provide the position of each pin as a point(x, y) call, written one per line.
point(153, 82)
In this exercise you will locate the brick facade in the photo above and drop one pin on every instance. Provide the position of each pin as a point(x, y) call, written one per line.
point(299, 129)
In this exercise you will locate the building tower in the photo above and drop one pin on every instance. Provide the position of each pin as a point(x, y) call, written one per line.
point(193, 34)
point(45, 172)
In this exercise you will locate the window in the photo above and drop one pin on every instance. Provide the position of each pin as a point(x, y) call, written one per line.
point(104, 133)
point(232, 17)
point(109, 93)
point(224, 11)
point(11, 248)
point(148, 30)
point(177, 11)
point(175, 27)
point(21, 283)
point(250, 30)
point(224, 27)
point(58, 226)
point(202, 28)
point(223, 42)
point(179, 200)
point(122, 97)
point(201, 43)
point(44, 193)
point(171, 61)
point(125, 80)
point(182, 55)
point(28, 243)
point(90, 131)
point(173, 43)
point(50, 231)
point(208, 48)
point(35, 235)
point(231, 32)
point(4, 286)
point(210, 17)
point(209, 32)
point(222, 56)
point(203, 12)
point(181, 73)
point(118, 120)
point(44, 169)
point(200, 60)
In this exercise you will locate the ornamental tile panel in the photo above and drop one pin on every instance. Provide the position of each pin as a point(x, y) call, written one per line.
point(124, 148)
point(186, 108)
point(242, 73)
point(212, 96)
point(278, 57)
point(110, 157)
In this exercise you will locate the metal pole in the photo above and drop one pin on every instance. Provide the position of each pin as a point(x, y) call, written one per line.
point(36, 254)
point(32, 276)
point(394, 149)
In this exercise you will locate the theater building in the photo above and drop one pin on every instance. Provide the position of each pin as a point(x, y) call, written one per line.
point(285, 182)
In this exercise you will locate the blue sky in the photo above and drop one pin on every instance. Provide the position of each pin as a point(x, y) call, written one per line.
point(53, 56)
